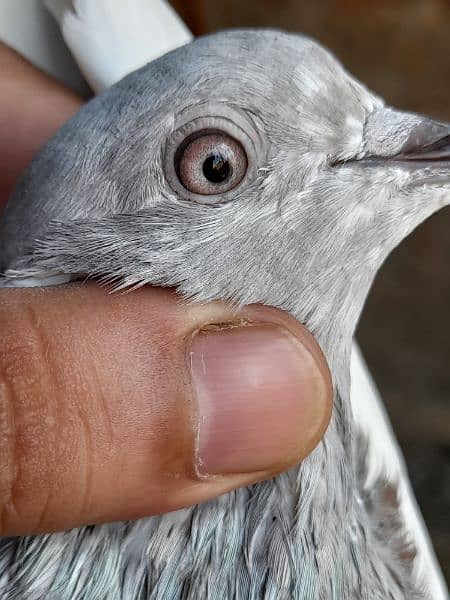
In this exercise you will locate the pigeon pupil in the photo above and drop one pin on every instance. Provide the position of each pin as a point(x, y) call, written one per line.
point(216, 168)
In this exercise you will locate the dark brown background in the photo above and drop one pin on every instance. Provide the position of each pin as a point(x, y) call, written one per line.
point(401, 49)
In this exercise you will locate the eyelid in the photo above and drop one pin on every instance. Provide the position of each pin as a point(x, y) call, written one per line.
point(245, 119)
point(212, 123)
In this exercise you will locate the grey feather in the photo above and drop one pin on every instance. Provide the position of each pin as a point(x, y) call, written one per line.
point(338, 181)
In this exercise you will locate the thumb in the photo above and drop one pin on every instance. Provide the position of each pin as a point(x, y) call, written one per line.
point(117, 407)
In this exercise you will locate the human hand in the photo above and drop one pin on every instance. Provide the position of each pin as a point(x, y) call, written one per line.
point(114, 407)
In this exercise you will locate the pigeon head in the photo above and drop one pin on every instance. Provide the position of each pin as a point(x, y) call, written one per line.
point(247, 166)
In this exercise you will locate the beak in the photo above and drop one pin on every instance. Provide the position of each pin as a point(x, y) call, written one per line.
point(411, 141)
point(428, 141)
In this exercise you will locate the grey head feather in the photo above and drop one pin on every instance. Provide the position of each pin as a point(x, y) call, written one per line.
point(335, 181)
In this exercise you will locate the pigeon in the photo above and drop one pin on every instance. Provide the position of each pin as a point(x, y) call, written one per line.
point(271, 176)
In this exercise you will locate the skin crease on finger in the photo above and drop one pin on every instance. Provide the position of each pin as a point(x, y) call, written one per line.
point(97, 399)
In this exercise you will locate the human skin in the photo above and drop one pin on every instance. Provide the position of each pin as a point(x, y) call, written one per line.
point(110, 407)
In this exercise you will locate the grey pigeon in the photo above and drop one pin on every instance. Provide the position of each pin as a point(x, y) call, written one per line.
point(246, 166)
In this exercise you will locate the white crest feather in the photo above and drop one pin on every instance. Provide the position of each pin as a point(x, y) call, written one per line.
point(111, 38)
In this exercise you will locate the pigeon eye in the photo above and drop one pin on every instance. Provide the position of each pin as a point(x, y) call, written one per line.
point(210, 162)
point(209, 159)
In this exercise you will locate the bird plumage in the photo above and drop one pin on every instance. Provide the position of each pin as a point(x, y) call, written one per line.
point(111, 38)
point(307, 233)
point(32, 32)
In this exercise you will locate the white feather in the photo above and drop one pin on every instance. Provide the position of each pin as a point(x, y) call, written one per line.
point(27, 27)
point(385, 458)
point(111, 38)
point(29, 282)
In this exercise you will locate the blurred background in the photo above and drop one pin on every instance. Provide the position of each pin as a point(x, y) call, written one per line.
point(400, 49)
